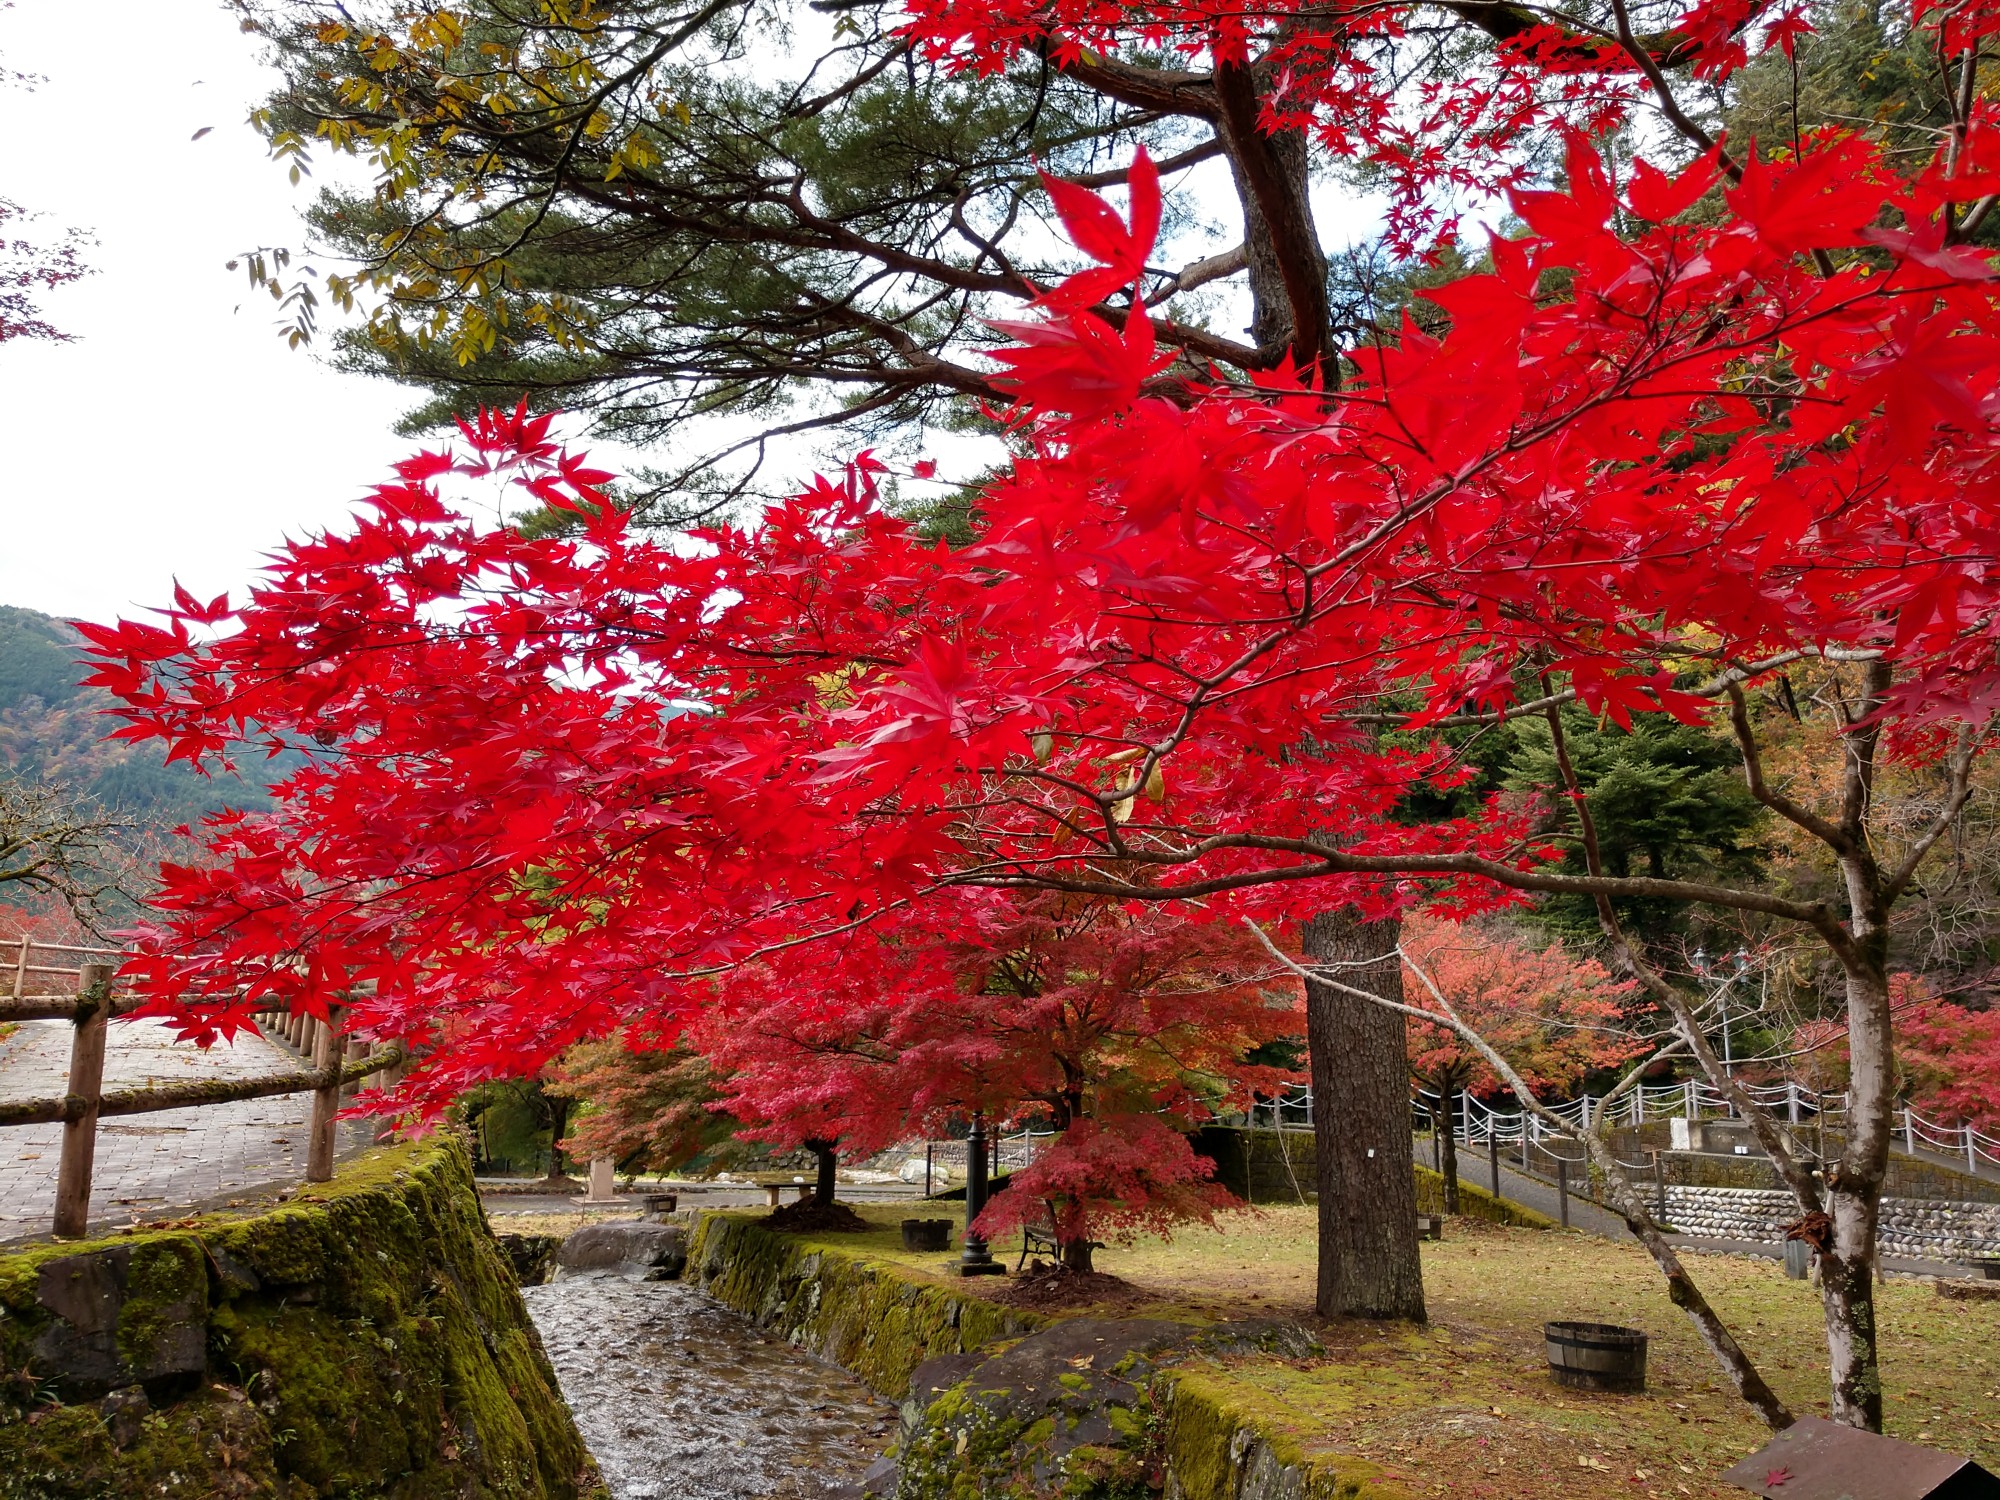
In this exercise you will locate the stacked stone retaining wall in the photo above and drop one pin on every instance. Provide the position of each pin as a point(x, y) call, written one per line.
point(1919, 1229)
point(365, 1340)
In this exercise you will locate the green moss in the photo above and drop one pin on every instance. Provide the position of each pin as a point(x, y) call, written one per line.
point(212, 1445)
point(864, 1315)
point(1476, 1203)
point(1212, 1446)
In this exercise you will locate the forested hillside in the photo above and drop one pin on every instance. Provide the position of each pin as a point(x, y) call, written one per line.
point(51, 727)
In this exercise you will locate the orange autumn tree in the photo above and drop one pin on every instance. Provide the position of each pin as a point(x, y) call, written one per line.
point(1556, 1018)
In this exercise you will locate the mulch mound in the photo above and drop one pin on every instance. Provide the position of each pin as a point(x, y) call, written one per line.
point(1048, 1288)
point(817, 1218)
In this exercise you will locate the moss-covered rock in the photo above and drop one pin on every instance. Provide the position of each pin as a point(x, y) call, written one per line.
point(365, 1340)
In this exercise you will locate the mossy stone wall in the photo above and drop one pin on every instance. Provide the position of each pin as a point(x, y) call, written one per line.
point(365, 1341)
point(881, 1324)
point(859, 1314)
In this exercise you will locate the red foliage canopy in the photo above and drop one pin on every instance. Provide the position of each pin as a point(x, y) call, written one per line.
point(557, 776)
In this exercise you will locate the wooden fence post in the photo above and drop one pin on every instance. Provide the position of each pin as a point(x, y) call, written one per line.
point(326, 1104)
point(1493, 1158)
point(1562, 1187)
point(86, 1080)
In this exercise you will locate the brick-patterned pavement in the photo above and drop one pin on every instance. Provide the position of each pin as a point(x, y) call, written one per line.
point(148, 1164)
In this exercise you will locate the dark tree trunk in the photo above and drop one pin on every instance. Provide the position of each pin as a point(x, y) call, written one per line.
point(1076, 1254)
point(1448, 1147)
point(558, 1124)
point(825, 1161)
point(1368, 1265)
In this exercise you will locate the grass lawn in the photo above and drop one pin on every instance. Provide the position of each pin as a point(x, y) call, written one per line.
point(1466, 1406)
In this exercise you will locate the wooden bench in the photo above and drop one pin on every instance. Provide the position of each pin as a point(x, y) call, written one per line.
point(1039, 1236)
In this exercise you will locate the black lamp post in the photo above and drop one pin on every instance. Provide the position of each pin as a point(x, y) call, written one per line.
point(975, 1259)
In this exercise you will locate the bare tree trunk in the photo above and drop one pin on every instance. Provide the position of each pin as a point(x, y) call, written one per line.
point(558, 1127)
point(1077, 1254)
point(1448, 1147)
point(1368, 1263)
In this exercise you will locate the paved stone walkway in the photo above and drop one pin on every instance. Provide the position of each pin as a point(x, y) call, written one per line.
point(148, 1165)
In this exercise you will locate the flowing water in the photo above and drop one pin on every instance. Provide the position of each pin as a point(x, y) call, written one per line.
point(681, 1399)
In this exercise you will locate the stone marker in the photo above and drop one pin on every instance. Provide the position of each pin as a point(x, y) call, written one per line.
point(603, 1184)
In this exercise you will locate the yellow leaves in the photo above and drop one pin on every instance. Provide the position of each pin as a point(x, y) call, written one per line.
point(637, 152)
point(441, 30)
point(330, 33)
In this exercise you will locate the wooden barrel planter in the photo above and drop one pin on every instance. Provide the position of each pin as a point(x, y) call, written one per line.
point(1596, 1356)
point(927, 1234)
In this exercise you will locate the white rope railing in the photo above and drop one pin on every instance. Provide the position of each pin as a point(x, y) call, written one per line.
point(1693, 1099)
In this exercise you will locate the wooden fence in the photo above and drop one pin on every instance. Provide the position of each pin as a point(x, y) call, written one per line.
point(66, 981)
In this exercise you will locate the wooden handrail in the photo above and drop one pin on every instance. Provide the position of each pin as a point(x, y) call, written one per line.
point(192, 1094)
point(74, 1008)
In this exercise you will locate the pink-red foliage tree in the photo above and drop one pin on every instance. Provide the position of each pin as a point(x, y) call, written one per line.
point(1118, 1029)
point(1554, 1017)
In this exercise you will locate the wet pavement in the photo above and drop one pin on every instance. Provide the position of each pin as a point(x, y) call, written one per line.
point(681, 1399)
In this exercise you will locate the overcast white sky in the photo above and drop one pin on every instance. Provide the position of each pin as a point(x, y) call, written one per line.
point(177, 435)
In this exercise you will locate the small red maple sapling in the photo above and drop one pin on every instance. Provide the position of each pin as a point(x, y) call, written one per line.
point(1118, 1030)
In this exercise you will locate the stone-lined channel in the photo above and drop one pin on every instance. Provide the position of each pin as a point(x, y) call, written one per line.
point(681, 1399)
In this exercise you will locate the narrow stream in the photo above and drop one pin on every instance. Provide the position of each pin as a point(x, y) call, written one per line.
point(681, 1399)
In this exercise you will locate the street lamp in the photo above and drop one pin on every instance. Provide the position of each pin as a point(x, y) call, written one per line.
point(975, 1259)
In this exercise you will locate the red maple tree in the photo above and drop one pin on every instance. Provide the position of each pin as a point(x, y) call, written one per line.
point(1118, 1030)
point(1652, 461)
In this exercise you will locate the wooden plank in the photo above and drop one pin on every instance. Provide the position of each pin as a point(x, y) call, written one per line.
point(86, 1082)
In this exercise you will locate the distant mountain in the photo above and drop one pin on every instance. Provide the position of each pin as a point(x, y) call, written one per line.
point(52, 727)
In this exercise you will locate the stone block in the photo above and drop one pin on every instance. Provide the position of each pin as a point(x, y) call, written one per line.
point(127, 1315)
point(658, 1250)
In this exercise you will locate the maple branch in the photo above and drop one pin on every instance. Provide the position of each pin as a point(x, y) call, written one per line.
point(1664, 94)
point(1959, 789)
point(1753, 775)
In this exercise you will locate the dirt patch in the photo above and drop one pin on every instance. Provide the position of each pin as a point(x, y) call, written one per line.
point(812, 1217)
point(1047, 1288)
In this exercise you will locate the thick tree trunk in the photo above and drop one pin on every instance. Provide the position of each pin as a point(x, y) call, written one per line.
point(1290, 310)
point(1448, 1146)
point(1077, 1254)
point(1368, 1265)
point(826, 1161)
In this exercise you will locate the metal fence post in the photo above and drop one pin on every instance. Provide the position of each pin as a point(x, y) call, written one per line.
point(1792, 1099)
point(86, 1081)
